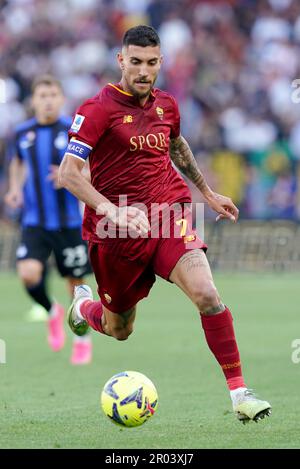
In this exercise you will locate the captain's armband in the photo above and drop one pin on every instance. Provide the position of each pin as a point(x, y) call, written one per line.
point(78, 149)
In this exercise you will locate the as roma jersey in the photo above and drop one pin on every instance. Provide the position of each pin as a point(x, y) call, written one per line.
point(129, 149)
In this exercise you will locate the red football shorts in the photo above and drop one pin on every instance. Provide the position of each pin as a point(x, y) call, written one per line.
point(125, 269)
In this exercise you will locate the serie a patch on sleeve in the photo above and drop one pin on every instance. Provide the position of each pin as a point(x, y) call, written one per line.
point(77, 123)
point(79, 149)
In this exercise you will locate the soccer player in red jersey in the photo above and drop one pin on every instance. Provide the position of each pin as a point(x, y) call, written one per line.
point(130, 132)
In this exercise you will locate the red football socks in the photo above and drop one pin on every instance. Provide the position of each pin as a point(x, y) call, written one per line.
point(219, 333)
point(92, 312)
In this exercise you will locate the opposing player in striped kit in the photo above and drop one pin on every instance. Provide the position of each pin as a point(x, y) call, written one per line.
point(51, 219)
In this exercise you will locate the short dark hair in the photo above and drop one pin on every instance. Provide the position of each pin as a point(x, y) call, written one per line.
point(48, 80)
point(142, 36)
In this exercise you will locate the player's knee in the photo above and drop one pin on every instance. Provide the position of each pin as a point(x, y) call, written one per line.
point(206, 297)
point(30, 277)
point(122, 333)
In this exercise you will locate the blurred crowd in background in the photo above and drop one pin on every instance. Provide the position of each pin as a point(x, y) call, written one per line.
point(230, 64)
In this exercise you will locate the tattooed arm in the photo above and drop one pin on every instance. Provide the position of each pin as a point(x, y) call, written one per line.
point(184, 160)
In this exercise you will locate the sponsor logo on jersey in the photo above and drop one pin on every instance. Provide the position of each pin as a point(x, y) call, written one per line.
point(77, 122)
point(141, 142)
point(30, 135)
point(27, 140)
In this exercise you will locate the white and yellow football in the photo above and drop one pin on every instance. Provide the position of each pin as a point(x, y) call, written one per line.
point(129, 399)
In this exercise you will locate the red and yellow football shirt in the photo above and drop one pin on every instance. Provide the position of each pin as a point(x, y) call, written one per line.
point(128, 147)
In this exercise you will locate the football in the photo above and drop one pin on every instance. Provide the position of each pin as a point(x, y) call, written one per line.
point(129, 399)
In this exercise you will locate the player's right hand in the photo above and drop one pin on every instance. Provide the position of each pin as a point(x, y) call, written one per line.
point(131, 218)
point(14, 199)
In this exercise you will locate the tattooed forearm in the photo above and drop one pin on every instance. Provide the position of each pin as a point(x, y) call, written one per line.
point(184, 160)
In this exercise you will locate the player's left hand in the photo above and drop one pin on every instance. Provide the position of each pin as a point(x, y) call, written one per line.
point(223, 206)
point(53, 175)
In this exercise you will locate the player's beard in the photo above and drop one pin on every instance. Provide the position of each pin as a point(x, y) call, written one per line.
point(141, 95)
point(138, 95)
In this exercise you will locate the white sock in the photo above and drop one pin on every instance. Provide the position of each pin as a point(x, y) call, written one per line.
point(235, 392)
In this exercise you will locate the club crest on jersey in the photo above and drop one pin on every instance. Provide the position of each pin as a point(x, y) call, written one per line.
point(127, 119)
point(77, 122)
point(107, 297)
point(160, 112)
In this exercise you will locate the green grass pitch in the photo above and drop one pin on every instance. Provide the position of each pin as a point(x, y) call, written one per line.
point(47, 403)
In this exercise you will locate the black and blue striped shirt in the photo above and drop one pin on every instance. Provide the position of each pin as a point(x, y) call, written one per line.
point(40, 146)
